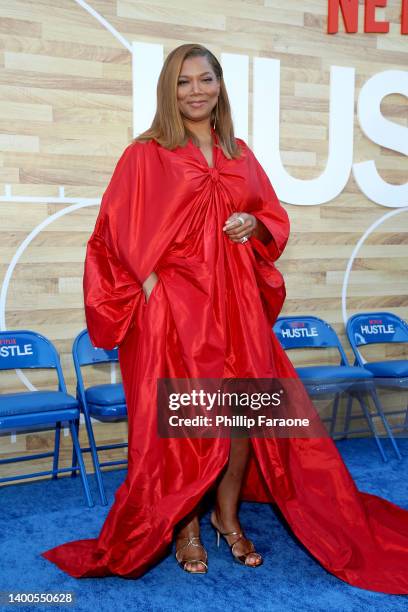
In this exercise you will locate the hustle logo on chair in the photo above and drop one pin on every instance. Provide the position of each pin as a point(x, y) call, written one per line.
point(298, 329)
point(377, 326)
point(9, 347)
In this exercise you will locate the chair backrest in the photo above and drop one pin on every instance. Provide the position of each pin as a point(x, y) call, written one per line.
point(26, 349)
point(307, 332)
point(375, 328)
point(84, 353)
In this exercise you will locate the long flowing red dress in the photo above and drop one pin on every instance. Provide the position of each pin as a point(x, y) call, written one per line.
point(210, 316)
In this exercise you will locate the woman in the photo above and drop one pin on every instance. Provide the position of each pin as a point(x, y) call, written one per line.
point(180, 274)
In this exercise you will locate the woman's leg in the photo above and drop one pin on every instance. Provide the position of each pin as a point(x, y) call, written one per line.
point(186, 529)
point(225, 514)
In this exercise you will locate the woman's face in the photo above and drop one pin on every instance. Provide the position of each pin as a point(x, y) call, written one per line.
point(197, 89)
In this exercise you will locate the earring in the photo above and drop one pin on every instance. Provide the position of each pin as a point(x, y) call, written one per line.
point(215, 115)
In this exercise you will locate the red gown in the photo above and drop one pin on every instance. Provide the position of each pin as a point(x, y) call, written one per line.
point(210, 316)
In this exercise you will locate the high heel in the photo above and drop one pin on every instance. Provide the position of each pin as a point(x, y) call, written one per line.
point(240, 536)
point(183, 564)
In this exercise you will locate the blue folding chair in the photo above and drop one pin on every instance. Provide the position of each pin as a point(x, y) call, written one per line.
point(381, 328)
point(326, 380)
point(38, 410)
point(105, 403)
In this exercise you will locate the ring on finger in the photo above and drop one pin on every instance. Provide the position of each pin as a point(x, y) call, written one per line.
point(241, 219)
point(244, 239)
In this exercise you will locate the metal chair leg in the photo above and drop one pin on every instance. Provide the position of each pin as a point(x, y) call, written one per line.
point(347, 418)
point(57, 438)
point(82, 469)
point(94, 453)
point(406, 419)
point(334, 414)
point(74, 462)
point(369, 418)
point(377, 403)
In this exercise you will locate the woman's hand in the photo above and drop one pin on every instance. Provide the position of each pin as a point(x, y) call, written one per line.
point(149, 284)
point(236, 230)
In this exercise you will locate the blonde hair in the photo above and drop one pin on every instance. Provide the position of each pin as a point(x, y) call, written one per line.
point(168, 128)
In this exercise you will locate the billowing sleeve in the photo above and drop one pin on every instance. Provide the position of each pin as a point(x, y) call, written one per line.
point(138, 222)
point(112, 293)
point(267, 208)
point(270, 212)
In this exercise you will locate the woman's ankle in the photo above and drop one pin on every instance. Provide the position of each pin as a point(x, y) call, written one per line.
point(190, 529)
point(226, 520)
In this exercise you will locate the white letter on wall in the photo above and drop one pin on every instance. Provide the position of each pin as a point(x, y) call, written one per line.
point(235, 68)
point(266, 135)
point(147, 61)
point(383, 132)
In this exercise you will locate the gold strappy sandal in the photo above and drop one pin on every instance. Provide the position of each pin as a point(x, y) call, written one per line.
point(183, 564)
point(240, 536)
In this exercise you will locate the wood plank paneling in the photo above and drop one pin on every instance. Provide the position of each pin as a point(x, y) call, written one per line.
point(66, 115)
